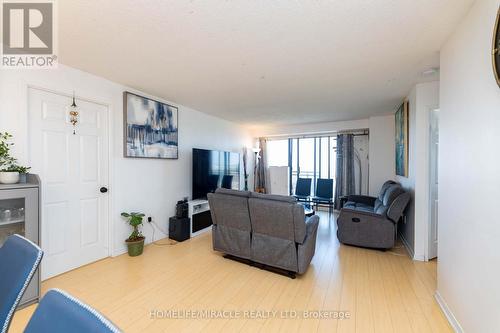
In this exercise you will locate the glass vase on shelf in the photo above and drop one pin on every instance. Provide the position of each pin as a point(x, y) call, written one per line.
point(11, 218)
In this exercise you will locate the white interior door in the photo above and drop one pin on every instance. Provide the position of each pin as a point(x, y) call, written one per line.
point(434, 179)
point(73, 168)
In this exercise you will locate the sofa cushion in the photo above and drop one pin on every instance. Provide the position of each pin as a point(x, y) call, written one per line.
point(358, 206)
point(377, 205)
point(381, 210)
point(364, 208)
point(384, 188)
point(350, 205)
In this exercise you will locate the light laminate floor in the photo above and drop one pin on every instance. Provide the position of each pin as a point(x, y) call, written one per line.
point(380, 291)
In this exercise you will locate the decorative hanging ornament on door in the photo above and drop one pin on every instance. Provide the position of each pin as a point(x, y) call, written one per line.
point(73, 114)
point(495, 53)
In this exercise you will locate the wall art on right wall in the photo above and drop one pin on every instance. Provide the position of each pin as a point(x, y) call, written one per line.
point(401, 117)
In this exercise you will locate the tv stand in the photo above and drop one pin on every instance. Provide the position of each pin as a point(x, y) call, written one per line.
point(199, 217)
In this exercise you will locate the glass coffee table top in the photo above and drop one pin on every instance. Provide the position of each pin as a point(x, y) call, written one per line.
point(308, 209)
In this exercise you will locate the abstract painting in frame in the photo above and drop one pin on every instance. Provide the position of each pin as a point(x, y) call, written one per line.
point(150, 128)
point(401, 117)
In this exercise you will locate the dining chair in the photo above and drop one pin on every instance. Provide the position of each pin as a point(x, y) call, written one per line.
point(303, 189)
point(59, 312)
point(324, 193)
point(19, 259)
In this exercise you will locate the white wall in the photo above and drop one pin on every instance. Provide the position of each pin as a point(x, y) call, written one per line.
point(469, 177)
point(381, 145)
point(382, 151)
point(150, 186)
point(423, 98)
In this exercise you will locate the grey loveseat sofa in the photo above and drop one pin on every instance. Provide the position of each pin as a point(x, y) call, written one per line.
point(267, 229)
point(372, 221)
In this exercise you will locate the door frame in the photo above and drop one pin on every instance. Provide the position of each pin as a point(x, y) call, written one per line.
point(109, 197)
point(430, 166)
point(428, 213)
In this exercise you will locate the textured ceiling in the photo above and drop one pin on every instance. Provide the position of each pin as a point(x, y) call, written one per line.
point(262, 62)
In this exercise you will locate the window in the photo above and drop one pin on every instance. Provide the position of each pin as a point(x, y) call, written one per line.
point(324, 157)
point(313, 158)
point(277, 152)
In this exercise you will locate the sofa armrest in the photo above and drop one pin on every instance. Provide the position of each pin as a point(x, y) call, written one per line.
point(398, 206)
point(306, 249)
point(312, 223)
point(360, 213)
point(364, 199)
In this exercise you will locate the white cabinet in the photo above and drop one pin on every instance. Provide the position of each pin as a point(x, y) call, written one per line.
point(279, 178)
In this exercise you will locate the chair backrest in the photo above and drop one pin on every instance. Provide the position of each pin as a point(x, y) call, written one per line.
point(379, 200)
point(277, 216)
point(59, 312)
point(227, 181)
point(391, 193)
point(324, 188)
point(230, 208)
point(303, 187)
point(384, 188)
point(213, 183)
point(19, 259)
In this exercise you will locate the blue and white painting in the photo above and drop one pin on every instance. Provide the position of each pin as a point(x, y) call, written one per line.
point(401, 118)
point(150, 128)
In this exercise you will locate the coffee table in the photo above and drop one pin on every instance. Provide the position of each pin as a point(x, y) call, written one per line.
point(308, 209)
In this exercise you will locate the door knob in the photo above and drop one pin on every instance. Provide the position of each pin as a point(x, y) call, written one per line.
point(103, 189)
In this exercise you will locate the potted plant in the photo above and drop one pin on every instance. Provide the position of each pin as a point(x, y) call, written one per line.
point(8, 172)
point(23, 172)
point(135, 242)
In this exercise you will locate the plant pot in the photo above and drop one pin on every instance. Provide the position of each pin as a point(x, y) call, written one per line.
point(135, 248)
point(23, 178)
point(8, 177)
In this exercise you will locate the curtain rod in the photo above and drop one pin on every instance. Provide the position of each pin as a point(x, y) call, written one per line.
point(359, 132)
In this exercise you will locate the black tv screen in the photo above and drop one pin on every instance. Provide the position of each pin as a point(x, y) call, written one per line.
point(213, 169)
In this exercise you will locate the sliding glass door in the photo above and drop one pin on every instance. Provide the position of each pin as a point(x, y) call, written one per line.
point(306, 159)
point(311, 157)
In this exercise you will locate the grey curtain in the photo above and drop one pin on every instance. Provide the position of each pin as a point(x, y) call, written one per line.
point(344, 180)
point(260, 170)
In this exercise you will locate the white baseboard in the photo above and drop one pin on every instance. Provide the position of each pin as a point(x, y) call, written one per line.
point(407, 246)
point(447, 312)
point(418, 257)
point(119, 251)
point(409, 249)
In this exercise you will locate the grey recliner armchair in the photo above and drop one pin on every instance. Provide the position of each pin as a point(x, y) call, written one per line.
point(372, 221)
point(267, 229)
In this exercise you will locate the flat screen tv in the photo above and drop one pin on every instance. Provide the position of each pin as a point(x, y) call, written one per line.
point(213, 169)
